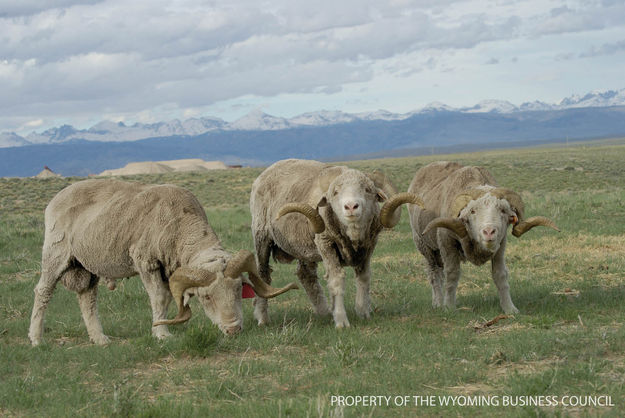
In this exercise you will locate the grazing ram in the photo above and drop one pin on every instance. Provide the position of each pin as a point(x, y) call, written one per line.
point(466, 218)
point(344, 221)
point(109, 229)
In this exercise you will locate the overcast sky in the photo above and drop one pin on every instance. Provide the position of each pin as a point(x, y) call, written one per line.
point(83, 61)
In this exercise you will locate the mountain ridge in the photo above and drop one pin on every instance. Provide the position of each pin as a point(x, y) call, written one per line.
point(257, 120)
point(432, 129)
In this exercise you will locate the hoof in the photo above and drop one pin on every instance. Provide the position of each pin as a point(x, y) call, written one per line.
point(341, 321)
point(511, 310)
point(363, 314)
point(101, 340)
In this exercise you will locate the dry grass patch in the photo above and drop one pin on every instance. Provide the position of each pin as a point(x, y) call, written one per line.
point(575, 257)
point(593, 248)
point(179, 377)
point(499, 371)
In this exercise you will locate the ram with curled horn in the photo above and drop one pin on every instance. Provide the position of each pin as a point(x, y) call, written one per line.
point(313, 212)
point(109, 229)
point(466, 219)
point(223, 309)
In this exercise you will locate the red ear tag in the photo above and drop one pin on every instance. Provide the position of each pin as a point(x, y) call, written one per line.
point(247, 292)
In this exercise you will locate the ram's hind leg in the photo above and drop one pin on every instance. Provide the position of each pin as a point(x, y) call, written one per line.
point(87, 299)
point(307, 275)
point(52, 267)
point(43, 294)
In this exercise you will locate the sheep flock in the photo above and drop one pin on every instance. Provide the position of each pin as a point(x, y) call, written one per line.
point(103, 230)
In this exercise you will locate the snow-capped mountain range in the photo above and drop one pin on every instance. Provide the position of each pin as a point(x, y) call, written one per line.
point(257, 120)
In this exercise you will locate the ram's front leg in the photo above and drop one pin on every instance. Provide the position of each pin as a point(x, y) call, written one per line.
point(336, 282)
point(160, 297)
point(363, 280)
point(451, 269)
point(500, 277)
point(336, 285)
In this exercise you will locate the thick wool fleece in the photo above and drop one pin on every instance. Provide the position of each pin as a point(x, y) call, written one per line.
point(109, 229)
point(290, 237)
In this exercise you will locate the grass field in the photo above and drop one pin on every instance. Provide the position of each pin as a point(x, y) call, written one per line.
point(569, 339)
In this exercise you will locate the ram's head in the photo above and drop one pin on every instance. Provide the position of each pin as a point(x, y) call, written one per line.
point(219, 292)
point(484, 213)
point(354, 198)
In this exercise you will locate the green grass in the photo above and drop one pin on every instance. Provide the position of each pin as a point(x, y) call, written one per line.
point(568, 340)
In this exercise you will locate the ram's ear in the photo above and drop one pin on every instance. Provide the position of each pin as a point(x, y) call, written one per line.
point(327, 176)
point(323, 201)
point(318, 198)
point(382, 182)
point(381, 196)
point(187, 295)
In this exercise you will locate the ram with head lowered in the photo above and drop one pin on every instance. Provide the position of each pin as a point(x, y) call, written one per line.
point(109, 229)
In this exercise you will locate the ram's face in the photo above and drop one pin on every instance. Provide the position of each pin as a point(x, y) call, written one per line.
point(221, 301)
point(353, 197)
point(487, 219)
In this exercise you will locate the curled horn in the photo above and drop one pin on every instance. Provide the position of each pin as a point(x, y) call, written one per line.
point(462, 200)
point(387, 211)
point(525, 225)
point(453, 224)
point(316, 221)
point(183, 279)
point(244, 262)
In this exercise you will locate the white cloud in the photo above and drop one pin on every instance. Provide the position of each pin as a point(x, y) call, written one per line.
point(73, 59)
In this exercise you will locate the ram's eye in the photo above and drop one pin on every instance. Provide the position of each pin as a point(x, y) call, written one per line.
point(472, 211)
point(207, 297)
point(335, 192)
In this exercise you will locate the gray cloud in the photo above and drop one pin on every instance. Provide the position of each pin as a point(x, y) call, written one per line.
point(15, 8)
point(605, 49)
point(587, 16)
